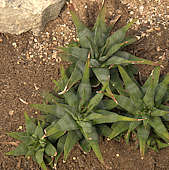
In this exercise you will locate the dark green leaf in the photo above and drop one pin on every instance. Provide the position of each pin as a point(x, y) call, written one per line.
point(104, 130)
point(57, 109)
point(157, 112)
point(39, 132)
point(124, 102)
point(50, 98)
point(91, 135)
point(22, 136)
point(132, 126)
point(71, 140)
point(66, 123)
point(30, 125)
point(60, 148)
point(76, 75)
point(21, 149)
point(103, 116)
point(133, 90)
point(84, 89)
point(50, 150)
point(162, 89)
point(150, 92)
point(107, 104)
point(94, 101)
point(76, 52)
point(161, 145)
point(117, 37)
point(143, 134)
point(159, 127)
point(153, 76)
point(83, 31)
point(100, 29)
point(102, 74)
point(39, 156)
point(133, 59)
point(96, 149)
point(118, 128)
point(85, 145)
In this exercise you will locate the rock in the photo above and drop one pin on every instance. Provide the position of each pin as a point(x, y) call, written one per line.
point(18, 16)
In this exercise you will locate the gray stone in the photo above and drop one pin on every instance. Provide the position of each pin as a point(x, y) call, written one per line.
point(18, 16)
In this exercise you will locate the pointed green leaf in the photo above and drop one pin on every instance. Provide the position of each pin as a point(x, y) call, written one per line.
point(159, 127)
point(84, 89)
point(76, 53)
point(60, 148)
point(162, 88)
point(116, 82)
point(91, 135)
point(143, 134)
point(118, 36)
point(124, 102)
point(100, 29)
point(94, 51)
point(161, 145)
point(133, 59)
point(43, 166)
point(104, 130)
point(71, 98)
point(39, 156)
point(102, 74)
point(50, 98)
point(133, 90)
point(71, 140)
point(118, 128)
point(53, 138)
point(150, 92)
point(50, 150)
point(158, 112)
point(76, 75)
point(116, 60)
point(21, 149)
point(94, 101)
point(153, 76)
point(103, 116)
point(85, 145)
point(57, 109)
point(166, 108)
point(22, 136)
point(132, 126)
point(30, 125)
point(96, 149)
point(111, 51)
point(66, 123)
point(83, 31)
point(107, 104)
point(88, 130)
point(39, 132)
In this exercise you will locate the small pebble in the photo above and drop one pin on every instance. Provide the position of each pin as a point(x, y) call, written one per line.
point(20, 128)
point(117, 155)
point(35, 40)
point(11, 112)
point(14, 44)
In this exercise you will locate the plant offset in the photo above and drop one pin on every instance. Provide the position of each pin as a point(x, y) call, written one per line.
point(97, 95)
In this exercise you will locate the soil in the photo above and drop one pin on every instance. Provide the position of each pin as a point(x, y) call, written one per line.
point(29, 64)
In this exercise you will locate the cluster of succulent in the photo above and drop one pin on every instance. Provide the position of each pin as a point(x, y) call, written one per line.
point(97, 95)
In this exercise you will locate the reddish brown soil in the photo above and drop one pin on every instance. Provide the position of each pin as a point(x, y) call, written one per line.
point(28, 64)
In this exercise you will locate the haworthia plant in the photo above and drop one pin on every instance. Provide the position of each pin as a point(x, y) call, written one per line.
point(145, 102)
point(77, 114)
point(34, 144)
point(105, 49)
